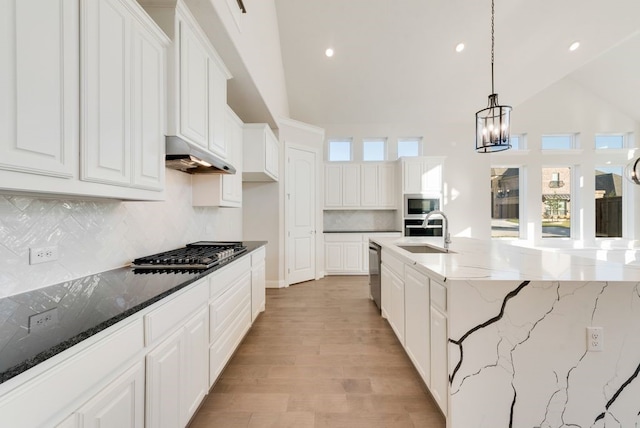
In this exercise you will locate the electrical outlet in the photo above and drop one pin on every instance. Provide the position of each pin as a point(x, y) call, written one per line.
point(43, 254)
point(595, 339)
point(43, 320)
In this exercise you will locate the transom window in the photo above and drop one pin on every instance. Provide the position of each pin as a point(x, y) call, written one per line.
point(408, 147)
point(374, 149)
point(517, 142)
point(609, 141)
point(558, 142)
point(340, 150)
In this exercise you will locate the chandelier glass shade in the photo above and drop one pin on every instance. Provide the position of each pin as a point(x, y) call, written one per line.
point(632, 171)
point(493, 122)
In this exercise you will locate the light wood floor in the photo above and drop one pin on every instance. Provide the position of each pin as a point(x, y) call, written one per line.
point(320, 356)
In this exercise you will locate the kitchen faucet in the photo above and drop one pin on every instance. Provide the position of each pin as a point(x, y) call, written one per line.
point(445, 226)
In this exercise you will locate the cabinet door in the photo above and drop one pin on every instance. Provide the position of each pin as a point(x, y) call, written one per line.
point(119, 405)
point(217, 109)
point(196, 364)
point(431, 177)
point(412, 176)
point(39, 111)
point(106, 80)
point(352, 257)
point(385, 286)
point(257, 289)
point(386, 185)
point(148, 110)
point(194, 88)
point(369, 186)
point(397, 307)
point(439, 374)
point(333, 256)
point(417, 325)
point(350, 185)
point(333, 186)
point(164, 374)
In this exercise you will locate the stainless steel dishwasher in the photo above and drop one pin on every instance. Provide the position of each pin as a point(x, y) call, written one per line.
point(374, 274)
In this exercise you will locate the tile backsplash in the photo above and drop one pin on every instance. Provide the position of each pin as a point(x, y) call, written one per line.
point(94, 236)
point(369, 220)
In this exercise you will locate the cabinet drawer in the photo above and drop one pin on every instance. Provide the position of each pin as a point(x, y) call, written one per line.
point(343, 237)
point(439, 295)
point(393, 263)
point(225, 307)
point(224, 278)
point(168, 316)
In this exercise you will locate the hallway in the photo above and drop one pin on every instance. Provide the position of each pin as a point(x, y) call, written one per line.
point(320, 356)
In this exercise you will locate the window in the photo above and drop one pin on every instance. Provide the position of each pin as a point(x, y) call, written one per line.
point(609, 141)
point(339, 150)
point(409, 147)
point(373, 150)
point(505, 202)
point(556, 202)
point(558, 142)
point(517, 142)
point(609, 202)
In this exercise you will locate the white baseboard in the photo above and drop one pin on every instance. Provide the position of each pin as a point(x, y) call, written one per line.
point(275, 284)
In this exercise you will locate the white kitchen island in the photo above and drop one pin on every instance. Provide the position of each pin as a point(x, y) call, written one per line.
point(508, 325)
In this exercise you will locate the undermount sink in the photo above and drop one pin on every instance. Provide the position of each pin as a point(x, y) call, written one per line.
point(421, 249)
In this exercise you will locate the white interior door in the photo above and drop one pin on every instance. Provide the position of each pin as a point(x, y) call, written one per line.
point(301, 223)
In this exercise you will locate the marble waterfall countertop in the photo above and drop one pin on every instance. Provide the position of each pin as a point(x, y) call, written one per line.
point(83, 307)
point(494, 260)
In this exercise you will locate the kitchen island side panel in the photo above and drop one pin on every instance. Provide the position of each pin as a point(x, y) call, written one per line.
point(518, 354)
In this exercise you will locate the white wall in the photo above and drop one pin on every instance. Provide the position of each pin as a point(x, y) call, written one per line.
point(256, 38)
point(98, 235)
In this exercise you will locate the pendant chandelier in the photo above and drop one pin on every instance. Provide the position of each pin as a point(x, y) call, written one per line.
point(492, 123)
point(632, 171)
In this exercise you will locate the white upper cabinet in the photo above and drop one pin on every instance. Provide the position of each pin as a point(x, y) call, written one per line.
point(197, 80)
point(261, 153)
point(39, 111)
point(84, 113)
point(360, 186)
point(422, 175)
point(194, 81)
point(122, 102)
point(223, 190)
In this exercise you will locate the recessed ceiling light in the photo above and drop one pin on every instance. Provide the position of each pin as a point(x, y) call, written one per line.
point(329, 52)
point(574, 46)
point(459, 47)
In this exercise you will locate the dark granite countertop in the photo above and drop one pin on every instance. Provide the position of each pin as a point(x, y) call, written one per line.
point(362, 231)
point(82, 307)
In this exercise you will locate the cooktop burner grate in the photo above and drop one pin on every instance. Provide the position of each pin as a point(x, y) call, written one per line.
point(197, 255)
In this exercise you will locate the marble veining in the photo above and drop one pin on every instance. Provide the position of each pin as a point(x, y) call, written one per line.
point(368, 220)
point(521, 361)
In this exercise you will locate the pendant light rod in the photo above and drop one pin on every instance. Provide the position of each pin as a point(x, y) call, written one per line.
point(493, 122)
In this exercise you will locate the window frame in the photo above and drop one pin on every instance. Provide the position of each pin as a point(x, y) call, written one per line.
point(417, 140)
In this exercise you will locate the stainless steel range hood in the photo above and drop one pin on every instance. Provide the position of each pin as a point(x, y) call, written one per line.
point(187, 157)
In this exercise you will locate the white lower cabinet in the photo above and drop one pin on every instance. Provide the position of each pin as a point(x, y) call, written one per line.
point(348, 253)
point(230, 313)
point(415, 306)
point(417, 322)
point(177, 374)
point(150, 370)
point(121, 404)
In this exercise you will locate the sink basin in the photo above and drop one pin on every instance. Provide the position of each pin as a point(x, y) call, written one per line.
point(422, 249)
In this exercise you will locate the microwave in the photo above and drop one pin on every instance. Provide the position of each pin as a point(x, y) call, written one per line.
point(417, 206)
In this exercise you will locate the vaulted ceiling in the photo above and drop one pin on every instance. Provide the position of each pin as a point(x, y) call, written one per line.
point(395, 60)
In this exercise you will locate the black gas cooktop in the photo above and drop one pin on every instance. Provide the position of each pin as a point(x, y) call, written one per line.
point(197, 255)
